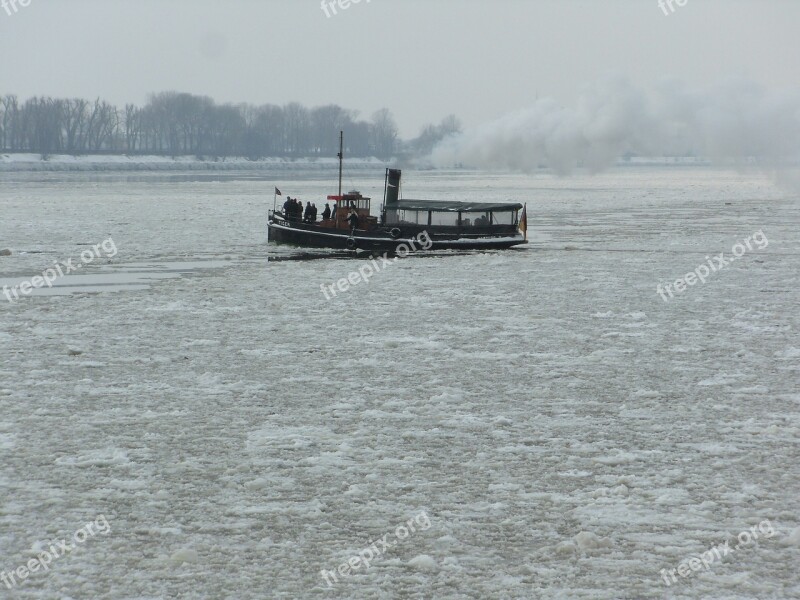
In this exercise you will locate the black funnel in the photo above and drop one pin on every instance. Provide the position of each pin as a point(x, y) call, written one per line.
point(392, 191)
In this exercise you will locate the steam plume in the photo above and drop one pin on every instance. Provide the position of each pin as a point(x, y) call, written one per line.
point(732, 121)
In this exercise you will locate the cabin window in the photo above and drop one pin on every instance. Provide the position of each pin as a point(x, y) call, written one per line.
point(444, 219)
point(359, 204)
point(503, 218)
point(417, 217)
point(479, 219)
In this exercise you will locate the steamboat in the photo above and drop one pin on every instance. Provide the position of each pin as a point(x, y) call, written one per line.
point(402, 223)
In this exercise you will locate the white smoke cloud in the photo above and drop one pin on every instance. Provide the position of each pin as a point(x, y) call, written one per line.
point(728, 121)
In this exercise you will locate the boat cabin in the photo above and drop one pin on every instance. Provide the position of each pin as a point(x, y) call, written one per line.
point(458, 215)
point(450, 225)
point(460, 218)
point(342, 206)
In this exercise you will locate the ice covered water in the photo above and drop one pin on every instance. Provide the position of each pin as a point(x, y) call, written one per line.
point(567, 432)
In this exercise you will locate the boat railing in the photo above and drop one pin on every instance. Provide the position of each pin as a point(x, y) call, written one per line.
point(278, 218)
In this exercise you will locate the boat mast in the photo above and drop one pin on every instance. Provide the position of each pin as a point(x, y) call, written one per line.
point(341, 158)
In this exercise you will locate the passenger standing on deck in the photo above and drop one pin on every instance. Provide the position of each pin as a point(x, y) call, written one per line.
point(352, 218)
point(326, 214)
point(287, 206)
point(299, 213)
point(307, 213)
point(313, 213)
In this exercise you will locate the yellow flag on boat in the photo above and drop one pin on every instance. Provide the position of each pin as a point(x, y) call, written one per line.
point(523, 221)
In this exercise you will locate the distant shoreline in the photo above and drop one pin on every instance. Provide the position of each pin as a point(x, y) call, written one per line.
point(34, 162)
point(26, 162)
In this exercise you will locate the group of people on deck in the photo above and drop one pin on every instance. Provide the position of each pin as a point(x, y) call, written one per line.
point(293, 211)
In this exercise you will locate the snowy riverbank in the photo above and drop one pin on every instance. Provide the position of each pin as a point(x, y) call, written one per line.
point(93, 162)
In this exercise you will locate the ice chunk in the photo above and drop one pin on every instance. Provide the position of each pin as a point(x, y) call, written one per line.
point(184, 555)
point(423, 562)
point(586, 540)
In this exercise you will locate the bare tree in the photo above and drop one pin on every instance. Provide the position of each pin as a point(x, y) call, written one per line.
point(326, 123)
point(296, 127)
point(226, 127)
point(133, 127)
point(74, 122)
point(9, 126)
point(384, 133)
point(180, 124)
point(431, 135)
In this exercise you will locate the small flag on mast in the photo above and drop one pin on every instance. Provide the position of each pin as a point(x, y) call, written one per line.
point(278, 192)
point(523, 221)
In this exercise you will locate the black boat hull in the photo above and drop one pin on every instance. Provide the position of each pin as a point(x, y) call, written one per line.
point(411, 239)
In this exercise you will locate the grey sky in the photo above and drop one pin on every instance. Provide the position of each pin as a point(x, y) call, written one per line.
point(421, 59)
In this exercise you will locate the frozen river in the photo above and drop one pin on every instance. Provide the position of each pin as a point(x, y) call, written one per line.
point(536, 423)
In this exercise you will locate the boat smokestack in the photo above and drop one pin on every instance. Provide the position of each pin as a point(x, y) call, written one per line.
point(392, 191)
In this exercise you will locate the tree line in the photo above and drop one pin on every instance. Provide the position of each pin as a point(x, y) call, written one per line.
point(179, 124)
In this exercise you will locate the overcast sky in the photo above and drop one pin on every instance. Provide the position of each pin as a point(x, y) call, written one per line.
point(422, 59)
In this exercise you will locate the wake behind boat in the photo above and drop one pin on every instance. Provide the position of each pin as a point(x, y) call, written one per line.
point(403, 226)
